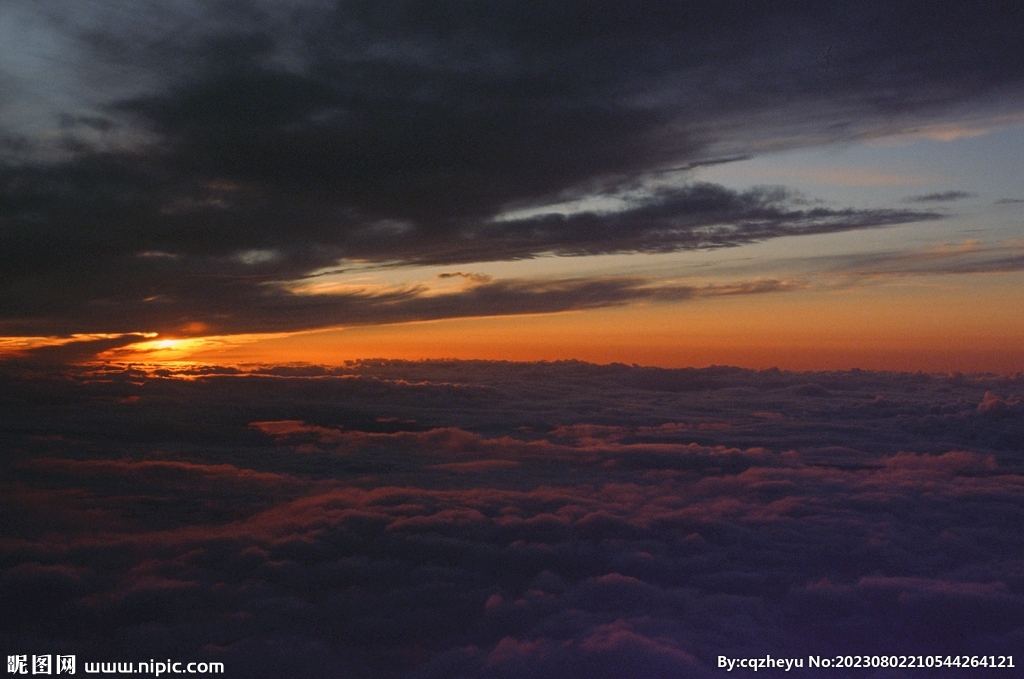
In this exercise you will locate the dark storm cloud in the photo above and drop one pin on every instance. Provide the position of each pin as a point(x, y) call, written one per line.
point(320, 131)
point(488, 520)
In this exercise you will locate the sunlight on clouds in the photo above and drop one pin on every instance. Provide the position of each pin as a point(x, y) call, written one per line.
point(156, 350)
point(952, 131)
point(812, 168)
point(971, 256)
point(253, 257)
point(13, 345)
point(404, 281)
point(179, 349)
point(945, 249)
point(598, 204)
point(348, 287)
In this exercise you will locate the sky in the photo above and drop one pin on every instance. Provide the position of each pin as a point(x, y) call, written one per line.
point(493, 340)
point(808, 186)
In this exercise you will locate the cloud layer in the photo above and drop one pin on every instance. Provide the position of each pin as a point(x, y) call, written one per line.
point(479, 519)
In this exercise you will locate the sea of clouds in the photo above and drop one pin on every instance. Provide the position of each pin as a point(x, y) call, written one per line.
point(488, 519)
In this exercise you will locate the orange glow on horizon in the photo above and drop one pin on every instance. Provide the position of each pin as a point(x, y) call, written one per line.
point(918, 324)
point(886, 327)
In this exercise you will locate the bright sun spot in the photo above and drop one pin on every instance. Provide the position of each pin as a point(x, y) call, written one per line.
point(158, 349)
point(170, 350)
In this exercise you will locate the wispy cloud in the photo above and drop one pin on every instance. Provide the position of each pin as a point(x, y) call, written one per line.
point(59, 351)
point(968, 257)
point(276, 309)
point(942, 197)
